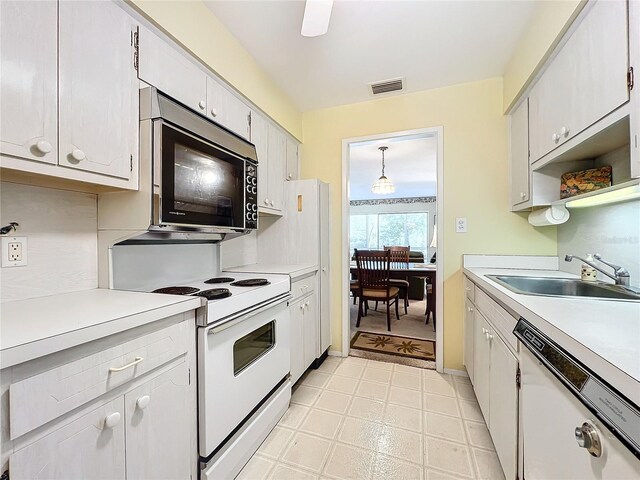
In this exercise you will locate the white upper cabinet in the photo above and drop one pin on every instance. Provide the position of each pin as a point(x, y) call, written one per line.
point(28, 84)
point(519, 156)
point(277, 165)
point(98, 89)
point(270, 144)
point(585, 81)
point(292, 160)
point(171, 72)
point(260, 138)
point(226, 109)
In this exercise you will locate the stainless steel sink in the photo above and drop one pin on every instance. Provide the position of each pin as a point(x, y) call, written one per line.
point(565, 287)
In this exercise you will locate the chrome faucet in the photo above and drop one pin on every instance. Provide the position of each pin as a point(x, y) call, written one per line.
point(620, 274)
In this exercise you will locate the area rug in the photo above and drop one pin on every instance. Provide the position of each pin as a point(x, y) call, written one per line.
point(406, 347)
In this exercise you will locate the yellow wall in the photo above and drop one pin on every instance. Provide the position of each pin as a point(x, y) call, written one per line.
point(550, 20)
point(199, 30)
point(475, 182)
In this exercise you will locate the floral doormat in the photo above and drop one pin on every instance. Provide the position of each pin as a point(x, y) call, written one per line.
point(394, 345)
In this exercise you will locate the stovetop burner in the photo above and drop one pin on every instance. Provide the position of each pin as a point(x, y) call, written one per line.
point(251, 282)
point(176, 290)
point(220, 280)
point(214, 293)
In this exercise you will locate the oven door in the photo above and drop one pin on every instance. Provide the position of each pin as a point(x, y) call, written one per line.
point(201, 184)
point(239, 363)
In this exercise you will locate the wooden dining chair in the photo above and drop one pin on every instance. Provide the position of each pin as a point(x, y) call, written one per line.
point(430, 308)
point(400, 255)
point(373, 277)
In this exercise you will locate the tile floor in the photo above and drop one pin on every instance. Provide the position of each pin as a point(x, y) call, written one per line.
point(364, 419)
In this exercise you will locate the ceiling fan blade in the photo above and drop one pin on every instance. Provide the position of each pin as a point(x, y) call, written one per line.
point(317, 14)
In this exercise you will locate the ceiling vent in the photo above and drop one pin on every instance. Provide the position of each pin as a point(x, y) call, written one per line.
point(386, 86)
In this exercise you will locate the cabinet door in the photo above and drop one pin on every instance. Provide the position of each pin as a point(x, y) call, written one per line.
point(311, 340)
point(159, 417)
point(98, 89)
point(469, 336)
point(277, 164)
point(171, 72)
point(260, 138)
point(83, 449)
point(504, 405)
point(481, 363)
point(226, 109)
point(28, 84)
point(296, 312)
point(292, 160)
point(519, 154)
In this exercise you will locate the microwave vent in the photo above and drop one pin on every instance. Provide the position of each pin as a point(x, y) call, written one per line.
point(386, 86)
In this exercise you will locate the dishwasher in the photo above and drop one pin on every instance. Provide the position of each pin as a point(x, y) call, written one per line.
point(574, 425)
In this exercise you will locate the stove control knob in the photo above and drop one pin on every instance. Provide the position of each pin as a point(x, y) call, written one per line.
point(254, 217)
point(248, 216)
point(253, 190)
point(587, 437)
point(249, 188)
point(254, 207)
point(254, 180)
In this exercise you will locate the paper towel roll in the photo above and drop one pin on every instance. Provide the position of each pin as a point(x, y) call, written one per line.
point(549, 216)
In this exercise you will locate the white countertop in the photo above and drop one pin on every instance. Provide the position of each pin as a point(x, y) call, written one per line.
point(603, 334)
point(39, 326)
point(293, 270)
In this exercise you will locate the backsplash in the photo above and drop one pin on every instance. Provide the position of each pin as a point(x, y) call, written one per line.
point(610, 230)
point(61, 230)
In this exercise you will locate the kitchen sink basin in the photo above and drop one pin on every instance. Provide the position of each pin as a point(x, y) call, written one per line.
point(565, 287)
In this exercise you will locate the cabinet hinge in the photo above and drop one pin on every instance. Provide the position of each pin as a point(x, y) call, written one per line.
point(189, 376)
point(131, 163)
point(136, 50)
point(249, 119)
point(518, 377)
point(630, 78)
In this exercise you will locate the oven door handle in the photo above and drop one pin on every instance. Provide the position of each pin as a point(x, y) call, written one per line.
point(230, 322)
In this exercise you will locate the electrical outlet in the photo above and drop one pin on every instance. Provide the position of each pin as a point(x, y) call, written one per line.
point(14, 251)
point(461, 225)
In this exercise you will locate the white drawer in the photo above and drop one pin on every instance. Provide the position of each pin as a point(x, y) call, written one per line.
point(41, 398)
point(304, 286)
point(469, 288)
point(500, 319)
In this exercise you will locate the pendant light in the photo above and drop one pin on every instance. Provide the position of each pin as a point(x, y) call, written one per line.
point(383, 185)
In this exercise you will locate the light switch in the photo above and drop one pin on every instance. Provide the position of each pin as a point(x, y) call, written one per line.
point(461, 225)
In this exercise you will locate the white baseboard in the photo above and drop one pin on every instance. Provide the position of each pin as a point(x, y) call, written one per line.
point(336, 353)
point(458, 373)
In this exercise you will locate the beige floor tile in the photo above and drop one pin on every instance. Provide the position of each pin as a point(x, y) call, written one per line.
point(307, 452)
point(403, 417)
point(406, 380)
point(444, 426)
point(349, 370)
point(333, 401)
point(401, 444)
point(465, 390)
point(342, 384)
point(389, 468)
point(293, 416)
point(374, 390)
point(488, 465)
point(360, 433)
point(439, 384)
point(304, 395)
point(461, 379)
point(329, 365)
point(437, 475)
point(449, 456)
point(377, 375)
point(366, 409)
point(407, 369)
point(471, 410)
point(256, 469)
point(349, 462)
point(314, 378)
point(275, 443)
point(324, 424)
point(478, 435)
point(440, 404)
point(285, 472)
point(355, 361)
point(380, 365)
point(405, 396)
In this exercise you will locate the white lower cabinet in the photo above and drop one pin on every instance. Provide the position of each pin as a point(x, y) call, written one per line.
point(304, 326)
point(469, 336)
point(481, 362)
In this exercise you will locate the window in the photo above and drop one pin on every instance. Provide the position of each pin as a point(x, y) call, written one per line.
point(375, 230)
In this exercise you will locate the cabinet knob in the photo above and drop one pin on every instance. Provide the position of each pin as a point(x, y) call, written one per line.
point(523, 195)
point(43, 146)
point(324, 269)
point(302, 306)
point(202, 104)
point(266, 201)
point(78, 154)
point(289, 177)
point(214, 112)
point(112, 420)
point(469, 309)
point(271, 203)
point(143, 402)
point(564, 131)
point(555, 137)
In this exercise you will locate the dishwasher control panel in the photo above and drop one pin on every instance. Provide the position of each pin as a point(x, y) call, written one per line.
point(610, 406)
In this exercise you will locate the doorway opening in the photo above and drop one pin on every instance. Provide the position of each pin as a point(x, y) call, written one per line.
point(405, 218)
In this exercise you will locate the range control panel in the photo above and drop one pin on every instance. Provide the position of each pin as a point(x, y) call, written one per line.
point(614, 410)
point(251, 196)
